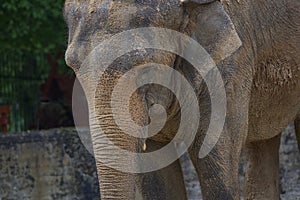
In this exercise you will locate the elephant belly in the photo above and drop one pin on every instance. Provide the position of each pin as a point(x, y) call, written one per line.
point(275, 98)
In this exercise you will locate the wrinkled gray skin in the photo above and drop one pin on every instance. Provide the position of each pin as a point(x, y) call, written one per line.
point(262, 83)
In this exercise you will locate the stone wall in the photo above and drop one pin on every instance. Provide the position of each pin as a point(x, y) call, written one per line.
point(46, 165)
point(54, 164)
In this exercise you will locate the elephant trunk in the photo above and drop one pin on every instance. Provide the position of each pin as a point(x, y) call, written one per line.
point(115, 184)
point(115, 149)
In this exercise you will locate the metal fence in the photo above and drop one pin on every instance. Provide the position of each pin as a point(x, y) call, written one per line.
point(21, 76)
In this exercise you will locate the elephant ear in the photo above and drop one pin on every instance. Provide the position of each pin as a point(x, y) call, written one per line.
point(211, 26)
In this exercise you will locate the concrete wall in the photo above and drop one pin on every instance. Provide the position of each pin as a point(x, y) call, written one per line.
point(55, 165)
point(46, 165)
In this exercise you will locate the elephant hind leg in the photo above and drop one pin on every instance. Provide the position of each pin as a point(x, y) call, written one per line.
point(262, 173)
point(297, 129)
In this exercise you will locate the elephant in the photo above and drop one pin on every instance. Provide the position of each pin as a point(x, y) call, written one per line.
point(255, 47)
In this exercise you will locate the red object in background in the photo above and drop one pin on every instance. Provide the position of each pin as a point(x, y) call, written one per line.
point(55, 109)
point(4, 118)
point(57, 85)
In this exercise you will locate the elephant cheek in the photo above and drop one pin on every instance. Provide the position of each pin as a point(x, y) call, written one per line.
point(214, 30)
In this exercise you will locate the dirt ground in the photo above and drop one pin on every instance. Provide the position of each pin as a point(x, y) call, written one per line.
point(289, 170)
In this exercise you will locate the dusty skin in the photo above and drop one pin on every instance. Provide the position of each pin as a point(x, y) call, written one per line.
point(255, 45)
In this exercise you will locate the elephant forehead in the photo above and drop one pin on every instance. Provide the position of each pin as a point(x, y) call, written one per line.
point(111, 17)
point(164, 7)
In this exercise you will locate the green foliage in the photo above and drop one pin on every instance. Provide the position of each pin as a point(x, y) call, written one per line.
point(32, 26)
point(30, 29)
point(21, 77)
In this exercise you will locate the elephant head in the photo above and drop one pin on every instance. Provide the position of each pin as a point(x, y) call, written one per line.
point(93, 22)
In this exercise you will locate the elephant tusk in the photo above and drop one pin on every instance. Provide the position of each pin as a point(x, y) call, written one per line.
point(144, 146)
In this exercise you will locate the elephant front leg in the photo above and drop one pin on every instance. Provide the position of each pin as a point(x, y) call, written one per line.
point(218, 171)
